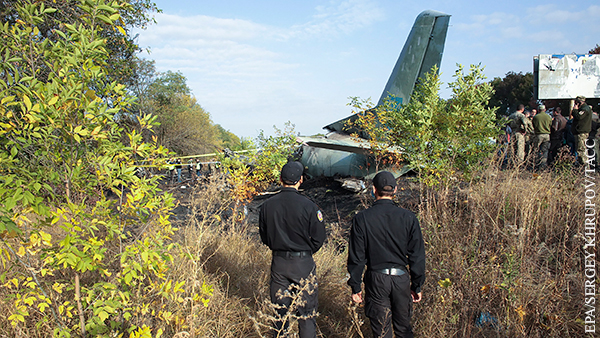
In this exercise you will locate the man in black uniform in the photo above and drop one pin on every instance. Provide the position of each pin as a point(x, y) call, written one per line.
point(387, 238)
point(292, 227)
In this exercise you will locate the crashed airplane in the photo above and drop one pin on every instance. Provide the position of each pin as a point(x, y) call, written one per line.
point(338, 153)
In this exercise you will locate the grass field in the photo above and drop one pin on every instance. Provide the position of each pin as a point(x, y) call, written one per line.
point(504, 255)
point(504, 259)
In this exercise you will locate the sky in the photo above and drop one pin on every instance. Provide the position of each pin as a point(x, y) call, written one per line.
point(258, 64)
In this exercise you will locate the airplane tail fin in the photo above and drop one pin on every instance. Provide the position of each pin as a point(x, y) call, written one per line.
point(422, 50)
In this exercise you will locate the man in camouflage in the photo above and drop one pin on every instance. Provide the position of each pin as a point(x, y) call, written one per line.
point(521, 126)
point(582, 125)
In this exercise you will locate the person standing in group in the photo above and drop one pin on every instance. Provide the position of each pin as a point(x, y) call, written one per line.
point(198, 169)
point(521, 127)
point(178, 167)
point(171, 168)
point(386, 238)
point(292, 226)
point(190, 168)
point(557, 131)
point(542, 123)
point(582, 125)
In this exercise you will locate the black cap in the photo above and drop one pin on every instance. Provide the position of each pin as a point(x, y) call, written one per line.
point(292, 172)
point(384, 181)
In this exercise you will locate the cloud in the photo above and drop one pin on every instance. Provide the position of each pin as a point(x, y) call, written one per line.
point(492, 28)
point(551, 15)
point(247, 74)
point(201, 27)
point(338, 18)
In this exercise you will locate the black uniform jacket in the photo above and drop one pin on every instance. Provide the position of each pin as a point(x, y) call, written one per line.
point(386, 236)
point(289, 221)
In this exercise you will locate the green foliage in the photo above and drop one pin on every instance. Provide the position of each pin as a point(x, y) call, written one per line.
point(372, 123)
point(275, 151)
point(228, 139)
point(75, 259)
point(510, 91)
point(121, 46)
point(444, 138)
point(254, 171)
point(184, 126)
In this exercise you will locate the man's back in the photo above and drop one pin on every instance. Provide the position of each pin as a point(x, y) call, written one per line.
point(387, 239)
point(559, 123)
point(517, 121)
point(291, 222)
point(542, 123)
point(386, 236)
point(389, 227)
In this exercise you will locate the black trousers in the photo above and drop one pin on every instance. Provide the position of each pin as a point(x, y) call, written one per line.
point(286, 271)
point(388, 304)
point(555, 145)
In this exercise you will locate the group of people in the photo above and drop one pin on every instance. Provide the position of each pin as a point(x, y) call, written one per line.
point(542, 133)
point(196, 170)
point(384, 238)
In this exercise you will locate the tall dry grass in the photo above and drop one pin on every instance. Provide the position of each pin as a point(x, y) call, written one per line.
point(504, 258)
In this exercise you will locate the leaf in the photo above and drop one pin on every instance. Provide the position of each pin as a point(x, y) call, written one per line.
point(42, 306)
point(105, 19)
point(27, 102)
point(8, 228)
point(57, 287)
point(90, 95)
point(521, 312)
point(53, 100)
point(103, 315)
point(10, 203)
point(445, 282)
point(7, 99)
point(122, 30)
point(107, 9)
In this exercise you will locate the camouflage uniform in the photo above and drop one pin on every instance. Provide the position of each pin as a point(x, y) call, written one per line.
point(521, 126)
point(582, 125)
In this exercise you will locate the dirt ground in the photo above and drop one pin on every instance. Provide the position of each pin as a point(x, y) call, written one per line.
point(339, 205)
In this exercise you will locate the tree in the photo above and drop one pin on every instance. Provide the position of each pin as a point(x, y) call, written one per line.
point(510, 91)
point(185, 127)
point(443, 138)
point(120, 65)
point(228, 139)
point(595, 50)
point(370, 125)
point(74, 259)
point(254, 171)
point(144, 76)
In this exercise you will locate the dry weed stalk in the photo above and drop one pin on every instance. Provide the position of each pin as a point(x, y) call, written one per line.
point(280, 319)
point(357, 321)
point(508, 242)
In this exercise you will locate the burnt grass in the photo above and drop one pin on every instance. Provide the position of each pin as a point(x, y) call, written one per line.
point(498, 248)
point(338, 204)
